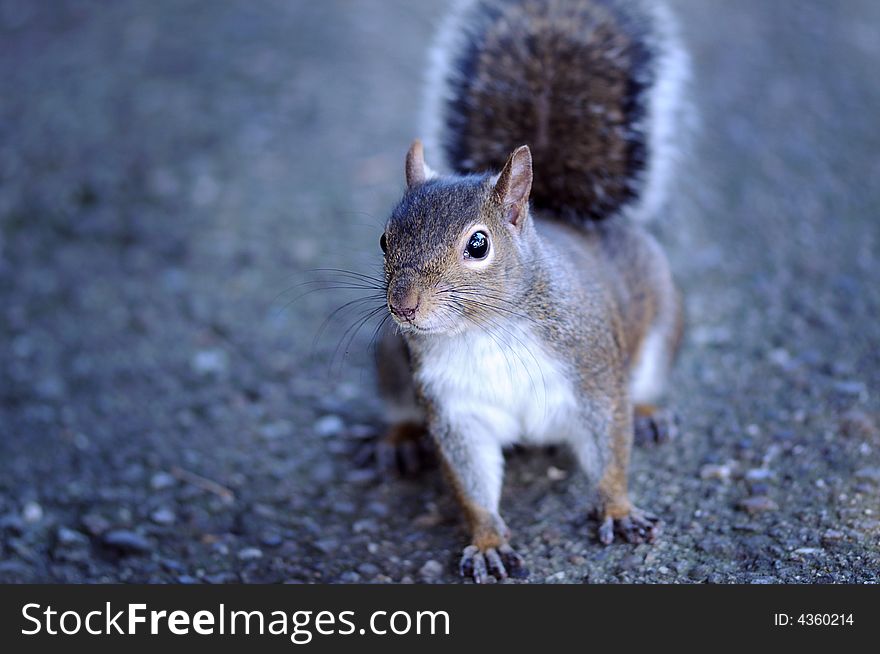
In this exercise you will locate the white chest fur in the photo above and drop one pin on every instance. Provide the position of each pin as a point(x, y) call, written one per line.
point(505, 386)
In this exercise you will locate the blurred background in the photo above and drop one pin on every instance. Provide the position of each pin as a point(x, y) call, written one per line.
point(169, 170)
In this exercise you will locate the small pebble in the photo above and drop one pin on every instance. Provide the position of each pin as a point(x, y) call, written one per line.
point(327, 545)
point(431, 570)
point(759, 474)
point(368, 569)
point(161, 481)
point(163, 516)
point(552, 536)
point(758, 504)
point(632, 562)
point(250, 554)
point(343, 507)
point(863, 474)
point(832, 536)
point(378, 508)
point(95, 524)
point(858, 424)
point(220, 548)
point(70, 537)
point(781, 358)
point(210, 362)
point(807, 551)
point(555, 474)
point(32, 512)
point(187, 580)
point(365, 525)
point(329, 425)
point(271, 539)
point(276, 430)
point(127, 542)
point(850, 387)
point(721, 472)
point(322, 472)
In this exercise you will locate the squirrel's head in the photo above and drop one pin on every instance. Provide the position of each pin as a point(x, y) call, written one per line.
point(454, 246)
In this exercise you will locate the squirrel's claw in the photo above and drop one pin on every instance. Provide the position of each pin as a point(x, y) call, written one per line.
point(661, 426)
point(637, 527)
point(516, 566)
point(411, 455)
point(501, 562)
point(494, 564)
point(473, 565)
point(403, 450)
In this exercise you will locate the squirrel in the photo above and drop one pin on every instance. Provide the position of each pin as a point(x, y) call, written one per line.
point(530, 306)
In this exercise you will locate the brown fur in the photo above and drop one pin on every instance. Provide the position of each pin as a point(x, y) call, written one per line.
point(644, 410)
point(404, 432)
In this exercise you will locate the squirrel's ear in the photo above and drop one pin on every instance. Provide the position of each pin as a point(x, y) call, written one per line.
point(514, 184)
point(417, 171)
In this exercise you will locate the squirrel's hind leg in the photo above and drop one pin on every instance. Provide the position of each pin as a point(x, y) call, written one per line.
point(617, 515)
point(404, 447)
point(652, 423)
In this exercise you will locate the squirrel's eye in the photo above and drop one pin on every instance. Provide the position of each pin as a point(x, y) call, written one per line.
point(477, 247)
point(383, 243)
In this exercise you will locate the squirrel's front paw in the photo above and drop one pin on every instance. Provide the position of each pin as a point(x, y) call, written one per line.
point(636, 527)
point(500, 562)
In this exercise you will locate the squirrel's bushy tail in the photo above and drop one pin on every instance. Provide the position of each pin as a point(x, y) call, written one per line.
point(593, 87)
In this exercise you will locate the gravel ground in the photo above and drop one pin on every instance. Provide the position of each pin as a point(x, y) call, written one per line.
point(168, 170)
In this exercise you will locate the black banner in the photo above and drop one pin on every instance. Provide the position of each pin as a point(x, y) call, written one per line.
point(433, 618)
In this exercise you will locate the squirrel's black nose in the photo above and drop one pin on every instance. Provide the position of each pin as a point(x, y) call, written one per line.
point(404, 305)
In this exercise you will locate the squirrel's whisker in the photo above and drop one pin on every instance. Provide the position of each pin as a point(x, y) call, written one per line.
point(341, 309)
point(351, 332)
